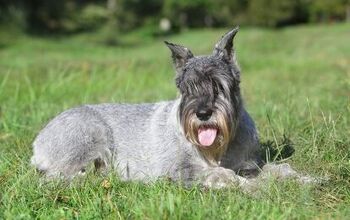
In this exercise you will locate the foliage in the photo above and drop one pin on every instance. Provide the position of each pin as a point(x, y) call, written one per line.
point(52, 16)
point(188, 13)
point(272, 13)
point(135, 13)
point(89, 17)
point(324, 10)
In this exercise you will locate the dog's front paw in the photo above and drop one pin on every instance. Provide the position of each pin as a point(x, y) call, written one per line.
point(220, 177)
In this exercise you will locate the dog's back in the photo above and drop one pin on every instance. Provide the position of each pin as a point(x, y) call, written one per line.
point(128, 137)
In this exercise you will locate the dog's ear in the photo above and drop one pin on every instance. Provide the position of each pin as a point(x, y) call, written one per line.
point(224, 48)
point(180, 55)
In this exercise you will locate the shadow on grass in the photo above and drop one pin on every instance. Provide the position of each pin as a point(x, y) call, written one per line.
point(2, 45)
point(276, 150)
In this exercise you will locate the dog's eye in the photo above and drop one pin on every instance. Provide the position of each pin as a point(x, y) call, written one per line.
point(221, 88)
point(221, 91)
point(216, 91)
point(218, 88)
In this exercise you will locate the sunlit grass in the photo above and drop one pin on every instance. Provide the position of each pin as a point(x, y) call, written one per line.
point(295, 82)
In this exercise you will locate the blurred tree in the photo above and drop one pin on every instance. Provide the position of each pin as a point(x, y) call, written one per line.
point(325, 10)
point(184, 13)
point(275, 13)
point(111, 31)
point(44, 14)
point(83, 16)
point(69, 16)
point(134, 13)
point(229, 12)
point(55, 16)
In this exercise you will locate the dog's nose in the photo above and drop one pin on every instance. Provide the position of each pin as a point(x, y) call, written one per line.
point(204, 114)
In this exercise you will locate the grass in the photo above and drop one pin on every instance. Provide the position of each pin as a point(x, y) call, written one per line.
point(295, 81)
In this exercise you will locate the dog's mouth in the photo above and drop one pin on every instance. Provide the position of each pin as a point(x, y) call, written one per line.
point(207, 135)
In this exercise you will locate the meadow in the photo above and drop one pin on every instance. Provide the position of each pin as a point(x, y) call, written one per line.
point(295, 82)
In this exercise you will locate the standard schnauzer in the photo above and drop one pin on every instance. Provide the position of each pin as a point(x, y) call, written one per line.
point(205, 136)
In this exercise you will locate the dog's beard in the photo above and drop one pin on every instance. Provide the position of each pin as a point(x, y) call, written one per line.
point(211, 134)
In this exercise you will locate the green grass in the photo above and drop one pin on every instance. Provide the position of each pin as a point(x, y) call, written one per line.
point(295, 82)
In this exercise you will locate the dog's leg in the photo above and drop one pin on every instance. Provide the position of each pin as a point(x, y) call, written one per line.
point(242, 154)
point(194, 171)
point(219, 177)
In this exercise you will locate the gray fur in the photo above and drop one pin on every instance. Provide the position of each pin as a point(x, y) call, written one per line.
point(148, 141)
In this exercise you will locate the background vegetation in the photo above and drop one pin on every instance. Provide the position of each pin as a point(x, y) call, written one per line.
point(71, 16)
point(295, 80)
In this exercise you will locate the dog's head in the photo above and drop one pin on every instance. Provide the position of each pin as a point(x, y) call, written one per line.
point(210, 94)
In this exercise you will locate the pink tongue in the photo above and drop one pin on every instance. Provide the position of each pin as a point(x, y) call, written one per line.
point(206, 136)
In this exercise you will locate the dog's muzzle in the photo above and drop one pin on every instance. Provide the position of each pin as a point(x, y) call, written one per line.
point(207, 131)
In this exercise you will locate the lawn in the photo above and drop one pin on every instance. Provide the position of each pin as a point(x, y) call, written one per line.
point(295, 81)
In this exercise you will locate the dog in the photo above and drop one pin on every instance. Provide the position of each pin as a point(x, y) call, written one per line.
point(205, 136)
